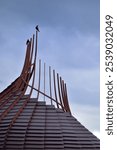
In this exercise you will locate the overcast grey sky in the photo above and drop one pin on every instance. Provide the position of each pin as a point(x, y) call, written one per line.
point(68, 41)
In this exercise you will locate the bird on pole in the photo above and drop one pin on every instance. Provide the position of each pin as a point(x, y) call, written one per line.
point(27, 42)
point(37, 28)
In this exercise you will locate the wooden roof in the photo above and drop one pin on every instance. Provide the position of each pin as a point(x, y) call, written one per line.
point(44, 127)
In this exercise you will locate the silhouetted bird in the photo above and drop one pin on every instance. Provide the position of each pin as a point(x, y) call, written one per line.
point(27, 42)
point(37, 28)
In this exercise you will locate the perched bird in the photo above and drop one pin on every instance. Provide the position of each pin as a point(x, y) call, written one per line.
point(37, 28)
point(27, 42)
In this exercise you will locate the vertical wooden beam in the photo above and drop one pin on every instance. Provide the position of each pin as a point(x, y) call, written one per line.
point(67, 98)
point(39, 80)
point(50, 87)
point(44, 79)
point(55, 89)
point(59, 91)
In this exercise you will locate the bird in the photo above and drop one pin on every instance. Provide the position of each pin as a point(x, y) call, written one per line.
point(27, 42)
point(37, 28)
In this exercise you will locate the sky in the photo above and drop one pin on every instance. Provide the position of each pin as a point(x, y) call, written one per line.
point(68, 41)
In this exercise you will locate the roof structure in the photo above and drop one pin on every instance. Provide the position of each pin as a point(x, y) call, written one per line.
point(35, 112)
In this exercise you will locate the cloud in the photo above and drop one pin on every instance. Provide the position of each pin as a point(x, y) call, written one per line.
point(68, 41)
point(87, 115)
point(70, 15)
point(83, 85)
point(76, 50)
point(97, 133)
